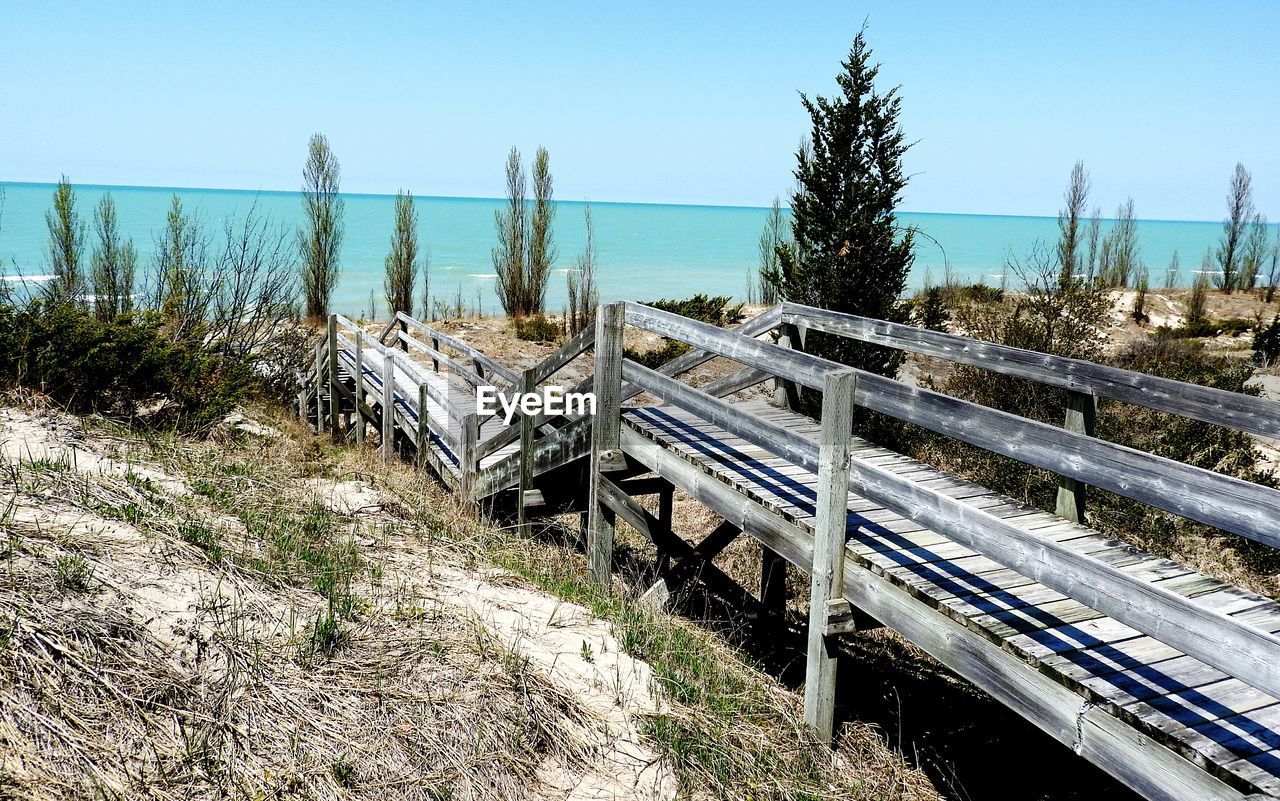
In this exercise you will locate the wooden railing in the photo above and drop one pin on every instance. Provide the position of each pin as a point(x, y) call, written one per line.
point(1234, 647)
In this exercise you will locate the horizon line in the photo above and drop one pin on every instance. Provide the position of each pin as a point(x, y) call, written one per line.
point(579, 202)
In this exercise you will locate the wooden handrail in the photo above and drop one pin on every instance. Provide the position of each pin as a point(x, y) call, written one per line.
point(1219, 640)
point(510, 376)
point(1206, 404)
point(1227, 503)
point(406, 364)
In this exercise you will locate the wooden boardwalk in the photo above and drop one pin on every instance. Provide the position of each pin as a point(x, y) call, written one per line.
point(1125, 695)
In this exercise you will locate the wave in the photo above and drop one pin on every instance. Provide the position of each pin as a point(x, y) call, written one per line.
point(22, 279)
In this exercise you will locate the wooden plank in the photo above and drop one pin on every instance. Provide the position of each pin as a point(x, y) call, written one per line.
point(388, 408)
point(786, 393)
point(507, 374)
point(1238, 649)
point(334, 402)
point(1230, 409)
point(528, 383)
point(550, 452)
point(1081, 417)
point(659, 594)
point(570, 350)
point(359, 369)
point(1231, 504)
point(766, 321)
point(319, 380)
point(604, 437)
point(1131, 756)
point(736, 382)
point(455, 367)
point(468, 461)
point(827, 573)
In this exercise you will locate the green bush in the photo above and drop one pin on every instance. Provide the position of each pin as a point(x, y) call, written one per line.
point(1266, 343)
point(116, 368)
point(713, 310)
point(537, 328)
point(929, 309)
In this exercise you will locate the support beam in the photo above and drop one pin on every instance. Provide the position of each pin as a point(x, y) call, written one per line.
point(388, 407)
point(359, 387)
point(773, 589)
point(1081, 417)
point(424, 427)
point(826, 589)
point(528, 383)
point(334, 402)
point(467, 437)
point(604, 438)
point(319, 385)
point(786, 394)
point(692, 565)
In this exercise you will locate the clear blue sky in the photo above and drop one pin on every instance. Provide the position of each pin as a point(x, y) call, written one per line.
point(686, 102)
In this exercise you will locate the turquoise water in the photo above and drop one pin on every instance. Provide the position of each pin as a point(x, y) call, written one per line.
point(646, 251)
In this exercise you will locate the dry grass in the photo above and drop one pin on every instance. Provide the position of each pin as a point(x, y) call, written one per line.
point(264, 615)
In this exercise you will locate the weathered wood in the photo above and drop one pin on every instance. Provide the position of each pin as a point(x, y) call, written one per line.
point(1238, 649)
point(388, 408)
point(692, 562)
point(604, 437)
point(1133, 757)
point(456, 367)
point(786, 394)
point(319, 381)
point(773, 588)
point(359, 368)
point(410, 369)
point(570, 350)
point(1231, 504)
point(424, 427)
point(528, 384)
point(549, 453)
point(1081, 417)
point(468, 463)
point(334, 402)
point(827, 573)
point(511, 377)
point(736, 382)
point(1221, 407)
point(766, 321)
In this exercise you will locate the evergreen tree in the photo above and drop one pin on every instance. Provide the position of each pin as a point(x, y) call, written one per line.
point(849, 254)
point(66, 244)
point(542, 248)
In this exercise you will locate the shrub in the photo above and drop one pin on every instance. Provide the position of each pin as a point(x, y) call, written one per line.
point(116, 367)
point(929, 309)
point(537, 328)
point(1266, 343)
point(704, 308)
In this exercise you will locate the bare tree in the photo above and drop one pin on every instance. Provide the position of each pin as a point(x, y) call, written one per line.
point(1254, 252)
point(320, 242)
point(542, 248)
point(583, 295)
point(1075, 198)
point(1120, 248)
point(402, 261)
point(1239, 214)
point(508, 256)
point(1273, 274)
point(113, 263)
point(66, 244)
point(253, 294)
point(1094, 238)
point(1171, 274)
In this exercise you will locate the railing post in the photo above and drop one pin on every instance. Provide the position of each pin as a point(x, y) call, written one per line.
point(468, 438)
point(435, 346)
point(388, 406)
point(527, 386)
point(1081, 418)
point(829, 612)
point(786, 393)
point(319, 384)
point(359, 388)
point(424, 429)
point(334, 400)
point(605, 438)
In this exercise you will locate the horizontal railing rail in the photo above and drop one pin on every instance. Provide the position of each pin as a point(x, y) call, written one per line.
point(1219, 640)
point(1231, 504)
point(1206, 404)
point(507, 374)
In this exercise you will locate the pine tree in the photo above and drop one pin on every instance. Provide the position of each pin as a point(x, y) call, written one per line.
point(113, 263)
point(849, 253)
